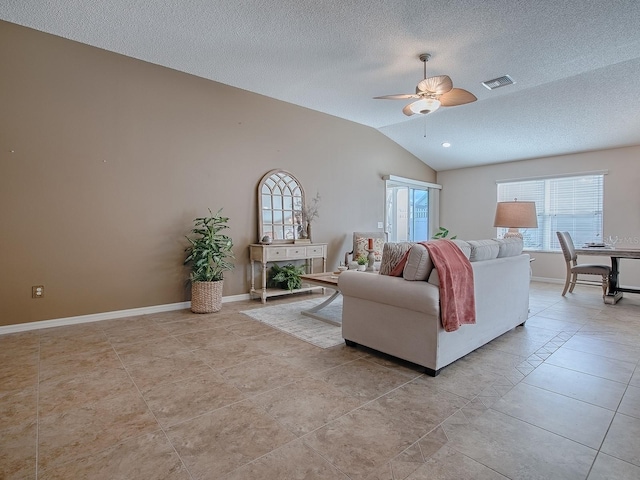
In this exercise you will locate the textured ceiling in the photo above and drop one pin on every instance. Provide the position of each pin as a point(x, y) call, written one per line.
point(576, 63)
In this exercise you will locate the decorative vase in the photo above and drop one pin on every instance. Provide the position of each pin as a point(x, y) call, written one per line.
point(206, 297)
point(371, 258)
point(309, 231)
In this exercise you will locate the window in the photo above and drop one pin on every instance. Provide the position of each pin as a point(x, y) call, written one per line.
point(569, 203)
point(411, 209)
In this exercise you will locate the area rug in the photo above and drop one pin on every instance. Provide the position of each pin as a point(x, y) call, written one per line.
point(287, 318)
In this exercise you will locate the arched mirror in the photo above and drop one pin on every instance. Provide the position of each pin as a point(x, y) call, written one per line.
point(280, 205)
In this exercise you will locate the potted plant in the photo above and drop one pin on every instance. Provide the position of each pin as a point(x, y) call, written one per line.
point(362, 263)
point(443, 233)
point(209, 254)
point(287, 276)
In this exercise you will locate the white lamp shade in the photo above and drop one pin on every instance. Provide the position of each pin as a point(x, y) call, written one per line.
point(516, 215)
point(424, 106)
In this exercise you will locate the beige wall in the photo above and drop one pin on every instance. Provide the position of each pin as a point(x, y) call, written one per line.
point(468, 201)
point(114, 157)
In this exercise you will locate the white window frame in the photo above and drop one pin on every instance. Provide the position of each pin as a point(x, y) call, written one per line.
point(433, 190)
point(549, 208)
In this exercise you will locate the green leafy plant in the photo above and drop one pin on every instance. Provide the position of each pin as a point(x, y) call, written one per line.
point(287, 276)
point(362, 260)
point(443, 233)
point(210, 252)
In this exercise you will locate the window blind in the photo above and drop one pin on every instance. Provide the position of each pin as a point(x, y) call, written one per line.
point(572, 204)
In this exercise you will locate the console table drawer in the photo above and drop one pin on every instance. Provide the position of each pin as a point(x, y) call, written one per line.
point(275, 254)
point(315, 251)
point(296, 252)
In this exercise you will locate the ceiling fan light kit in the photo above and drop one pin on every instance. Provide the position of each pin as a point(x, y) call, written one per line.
point(424, 106)
point(432, 93)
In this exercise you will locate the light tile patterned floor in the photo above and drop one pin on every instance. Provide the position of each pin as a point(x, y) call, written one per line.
point(183, 396)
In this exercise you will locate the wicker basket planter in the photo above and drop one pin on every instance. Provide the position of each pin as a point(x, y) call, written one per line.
point(206, 297)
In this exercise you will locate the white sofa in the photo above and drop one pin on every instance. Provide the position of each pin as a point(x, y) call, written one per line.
point(402, 318)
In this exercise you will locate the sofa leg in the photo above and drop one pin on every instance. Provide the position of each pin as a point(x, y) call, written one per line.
point(431, 372)
point(349, 343)
point(522, 324)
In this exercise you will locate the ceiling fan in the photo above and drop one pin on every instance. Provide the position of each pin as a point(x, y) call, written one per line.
point(432, 92)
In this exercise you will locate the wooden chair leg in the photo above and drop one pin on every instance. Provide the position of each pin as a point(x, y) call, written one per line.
point(605, 284)
point(566, 283)
point(574, 280)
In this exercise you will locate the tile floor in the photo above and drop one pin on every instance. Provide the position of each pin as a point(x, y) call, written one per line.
point(182, 396)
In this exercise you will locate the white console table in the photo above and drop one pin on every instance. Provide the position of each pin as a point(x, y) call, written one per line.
point(283, 252)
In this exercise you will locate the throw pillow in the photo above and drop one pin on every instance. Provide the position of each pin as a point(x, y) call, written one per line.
point(419, 264)
point(392, 255)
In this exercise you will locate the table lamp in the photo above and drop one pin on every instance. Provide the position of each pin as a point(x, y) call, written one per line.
point(515, 215)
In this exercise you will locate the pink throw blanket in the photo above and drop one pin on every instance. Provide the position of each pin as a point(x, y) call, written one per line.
point(457, 298)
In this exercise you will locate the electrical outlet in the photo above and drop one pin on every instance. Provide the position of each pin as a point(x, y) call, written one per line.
point(37, 291)
point(380, 225)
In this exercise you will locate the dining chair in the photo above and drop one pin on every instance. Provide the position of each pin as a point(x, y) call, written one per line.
point(574, 269)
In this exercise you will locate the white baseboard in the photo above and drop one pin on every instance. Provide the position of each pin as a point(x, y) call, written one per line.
point(547, 280)
point(97, 317)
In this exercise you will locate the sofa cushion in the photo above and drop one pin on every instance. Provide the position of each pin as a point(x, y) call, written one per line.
point(392, 255)
point(509, 247)
point(434, 278)
point(464, 246)
point(483, 250)
point(419, 264)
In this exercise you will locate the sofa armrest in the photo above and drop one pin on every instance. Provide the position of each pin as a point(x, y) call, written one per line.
point(396, 291)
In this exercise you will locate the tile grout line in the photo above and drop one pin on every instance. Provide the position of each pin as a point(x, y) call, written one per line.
point(302, 437)
point(152, 413)
point(607, 432)
point(615, 411)
point(377, 398)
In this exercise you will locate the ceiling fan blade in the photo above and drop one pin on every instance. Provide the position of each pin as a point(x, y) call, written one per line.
point(407, 110)
point(456, 96)
point(438, 85)
point(400, 96)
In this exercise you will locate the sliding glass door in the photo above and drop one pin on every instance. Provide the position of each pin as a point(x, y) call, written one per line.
point(409, 209)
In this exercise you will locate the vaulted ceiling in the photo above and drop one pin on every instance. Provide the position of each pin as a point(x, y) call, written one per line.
point(575, 63)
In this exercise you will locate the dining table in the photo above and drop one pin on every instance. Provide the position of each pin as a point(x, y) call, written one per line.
point(615, 290)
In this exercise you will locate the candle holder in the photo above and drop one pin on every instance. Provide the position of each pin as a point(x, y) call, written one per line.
point(372, 258)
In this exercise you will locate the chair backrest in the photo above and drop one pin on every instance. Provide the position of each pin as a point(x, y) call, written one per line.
point(361, 243)
point(568, 249)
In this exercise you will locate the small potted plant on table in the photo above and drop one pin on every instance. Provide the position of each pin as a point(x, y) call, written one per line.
point(362, 263)
point(209, 255)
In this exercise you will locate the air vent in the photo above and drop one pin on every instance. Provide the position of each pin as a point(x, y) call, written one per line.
point(498, 82)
